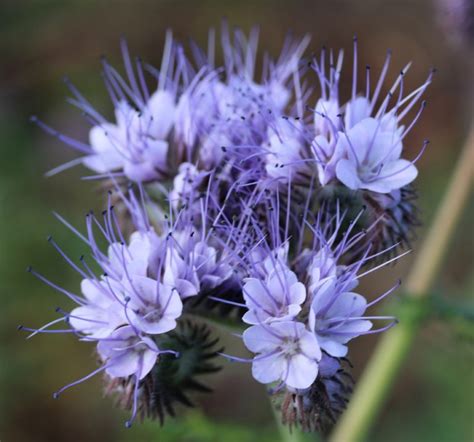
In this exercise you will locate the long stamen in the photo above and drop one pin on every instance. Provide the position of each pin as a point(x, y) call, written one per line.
point(79, 381)
point(70, 295)
point(354, 70)
point(77, 145)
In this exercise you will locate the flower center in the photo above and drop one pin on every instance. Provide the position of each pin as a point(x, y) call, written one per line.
point(151, 313)
point(290, 347)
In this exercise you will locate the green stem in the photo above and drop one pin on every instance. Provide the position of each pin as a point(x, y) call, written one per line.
point(287, 435)
point(378, 377)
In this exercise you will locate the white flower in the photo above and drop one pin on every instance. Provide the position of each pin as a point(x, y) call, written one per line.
point(185, 183)
point(326, 119)
point(102, 313)
point(153, 307)
point(286, 351)
point(372, 158)
point(285, 159)
point(137, 143)
point(277, 297)
point(126, 354)
point(180, 273)
point(322, 267)
point(336, 317)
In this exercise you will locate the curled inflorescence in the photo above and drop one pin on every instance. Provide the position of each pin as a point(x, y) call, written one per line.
point(257, 203)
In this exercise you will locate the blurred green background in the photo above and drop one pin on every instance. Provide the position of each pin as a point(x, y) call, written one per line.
point(40, 41)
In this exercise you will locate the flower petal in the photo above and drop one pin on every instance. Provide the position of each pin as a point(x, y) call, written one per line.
point(269, 369)
point(346, 173)
point(161, 106)
point(258, 339)
point(302, 372)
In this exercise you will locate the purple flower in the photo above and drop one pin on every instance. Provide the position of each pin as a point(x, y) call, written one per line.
point(357, 143)
point(129, 357)
point(322, 267)
point(313, 285)
point(192, 265)
point(125, 353)
point(111, 300)
point(286, 352)
point(101, 314)
point(124, 308)
point(373, 159)
point(237, 196)
point(137, 142)
point(211, 268)
point(326, 117)
point(240, 124)
point(185, 184)
point(336, 317)
point(153, 307)
point(278, 297)
point(286, 158)
point(239, 108)
point(125, 294)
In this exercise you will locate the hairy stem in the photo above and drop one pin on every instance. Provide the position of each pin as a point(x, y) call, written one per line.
point(287, 435)
point(378, 377)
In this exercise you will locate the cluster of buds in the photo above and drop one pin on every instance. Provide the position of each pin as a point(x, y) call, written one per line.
point(242, 200)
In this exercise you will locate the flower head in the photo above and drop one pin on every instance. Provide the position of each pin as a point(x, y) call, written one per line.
point(238, 199)
point(300, 296)
point(130, 309)
point(137, 144)
point(358, 143)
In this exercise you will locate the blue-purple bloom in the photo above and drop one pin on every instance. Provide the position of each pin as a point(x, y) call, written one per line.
point(336, 316)
point(286, 352)
point(140, 293)
point(277, 297)
point(242, 193)
point(359, 143)
point(298, 307)
point(137, 142)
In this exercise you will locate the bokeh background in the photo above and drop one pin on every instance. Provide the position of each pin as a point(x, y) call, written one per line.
point(40, 41)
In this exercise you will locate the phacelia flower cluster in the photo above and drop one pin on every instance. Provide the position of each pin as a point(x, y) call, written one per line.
point(245, 201)
point(303, 306)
